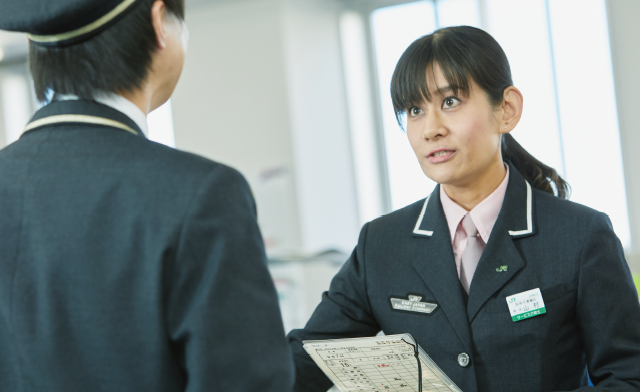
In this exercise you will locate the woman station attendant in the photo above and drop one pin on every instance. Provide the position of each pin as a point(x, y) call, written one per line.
point(497, 225)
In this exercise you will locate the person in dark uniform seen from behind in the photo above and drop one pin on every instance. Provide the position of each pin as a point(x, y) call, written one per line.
point(125, 265)
point(494, 234)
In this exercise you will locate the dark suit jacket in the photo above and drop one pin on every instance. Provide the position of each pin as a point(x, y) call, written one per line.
point(567, 250)
point(126, 265)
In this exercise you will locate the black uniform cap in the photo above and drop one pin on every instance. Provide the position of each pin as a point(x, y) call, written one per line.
point(61, 22)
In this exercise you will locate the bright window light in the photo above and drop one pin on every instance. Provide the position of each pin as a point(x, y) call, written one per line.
point(530, 58)
point(457, 13)
point(160, 123)
point(394, 29)
point(361, 117)
point(588, 114)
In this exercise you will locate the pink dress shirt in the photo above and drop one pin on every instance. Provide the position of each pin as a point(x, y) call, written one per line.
point(484, 216)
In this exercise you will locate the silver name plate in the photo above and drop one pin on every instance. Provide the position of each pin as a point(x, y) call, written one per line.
point(413, 303)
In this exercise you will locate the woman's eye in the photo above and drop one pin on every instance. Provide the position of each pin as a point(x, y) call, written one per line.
point(450, 102)
point(414, 111)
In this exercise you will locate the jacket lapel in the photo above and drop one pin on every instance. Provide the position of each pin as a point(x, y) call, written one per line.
point(434, 262)
point(514, 221)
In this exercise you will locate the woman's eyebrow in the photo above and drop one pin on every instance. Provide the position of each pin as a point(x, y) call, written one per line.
point(445, 89)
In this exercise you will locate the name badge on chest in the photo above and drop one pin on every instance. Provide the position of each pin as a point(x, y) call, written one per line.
point(414, 304)
point(526, 305)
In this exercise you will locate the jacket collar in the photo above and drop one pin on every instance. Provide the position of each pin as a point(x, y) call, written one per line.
point(516, 220)
point(82, 112)
point(517, 209)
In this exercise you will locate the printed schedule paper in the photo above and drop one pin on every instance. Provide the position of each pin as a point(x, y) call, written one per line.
point(377, 364)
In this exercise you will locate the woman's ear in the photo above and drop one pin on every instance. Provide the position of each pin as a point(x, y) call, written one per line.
point(512, 104)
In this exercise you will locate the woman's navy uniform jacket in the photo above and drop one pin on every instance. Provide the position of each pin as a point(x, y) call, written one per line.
point(128, 266)
point(568, 251)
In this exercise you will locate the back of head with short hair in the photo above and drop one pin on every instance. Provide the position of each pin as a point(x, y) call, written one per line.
point(115, 60)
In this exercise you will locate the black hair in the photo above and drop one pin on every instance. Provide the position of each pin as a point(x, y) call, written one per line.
point(115, 60)
point(464, 52)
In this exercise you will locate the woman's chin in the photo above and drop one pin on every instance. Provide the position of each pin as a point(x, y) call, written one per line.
point(439, 174)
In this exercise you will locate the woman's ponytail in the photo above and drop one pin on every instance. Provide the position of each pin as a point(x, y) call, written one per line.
point(539, 175)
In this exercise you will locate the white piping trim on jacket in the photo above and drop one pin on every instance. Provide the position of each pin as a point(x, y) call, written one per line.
point(417, 230)
point(529, 229)
point(78, 118)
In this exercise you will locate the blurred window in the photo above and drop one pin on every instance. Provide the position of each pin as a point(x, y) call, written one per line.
point(588, 112)
point(365, 140)
point(570, 118)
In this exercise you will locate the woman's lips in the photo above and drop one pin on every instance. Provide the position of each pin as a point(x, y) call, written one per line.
point(440, 155)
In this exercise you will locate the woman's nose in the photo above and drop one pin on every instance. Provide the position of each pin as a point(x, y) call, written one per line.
point(433, 127)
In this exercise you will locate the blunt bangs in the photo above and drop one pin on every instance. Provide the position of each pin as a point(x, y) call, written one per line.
point(460, 55)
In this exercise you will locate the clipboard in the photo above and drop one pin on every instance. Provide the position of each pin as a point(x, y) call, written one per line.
point(378, 364)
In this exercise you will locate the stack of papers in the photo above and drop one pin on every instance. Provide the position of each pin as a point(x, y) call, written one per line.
point(378, 364)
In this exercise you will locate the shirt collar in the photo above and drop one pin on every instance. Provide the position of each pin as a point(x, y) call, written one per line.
point(118, 103)
point(484, 215)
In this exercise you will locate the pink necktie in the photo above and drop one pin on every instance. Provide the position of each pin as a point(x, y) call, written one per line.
point(471, 254)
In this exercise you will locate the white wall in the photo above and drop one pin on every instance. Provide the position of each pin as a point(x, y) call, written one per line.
point(262, 91)
point(325, 181)
point(231, 105)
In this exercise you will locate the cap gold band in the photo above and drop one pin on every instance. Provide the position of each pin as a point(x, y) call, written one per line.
point(83, 30)
point(78, 118)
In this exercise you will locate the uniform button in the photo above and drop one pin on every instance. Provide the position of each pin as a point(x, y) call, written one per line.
point(464, 360)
